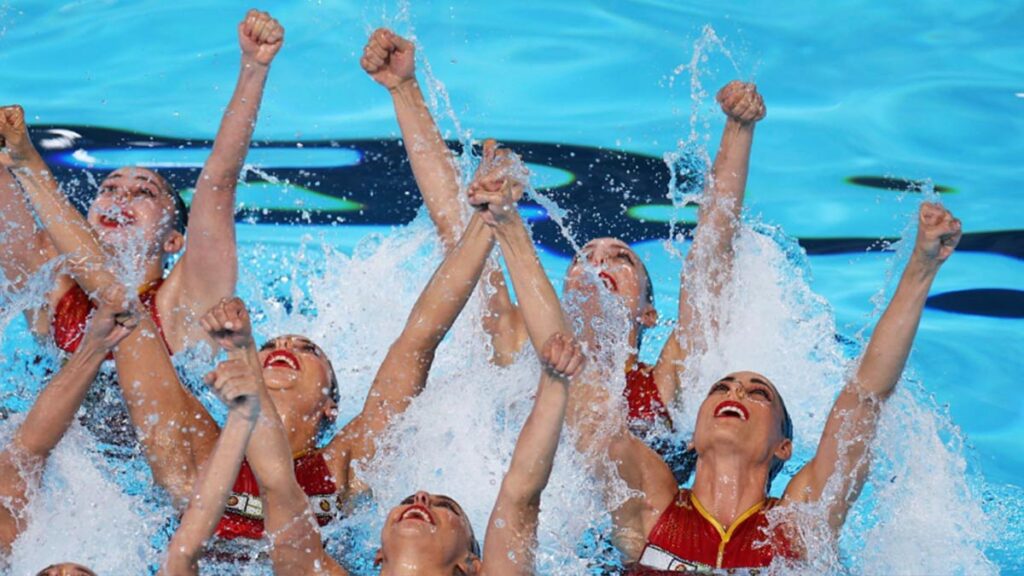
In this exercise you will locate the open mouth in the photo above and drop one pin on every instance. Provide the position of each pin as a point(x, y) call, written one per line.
point(281, 359)
point(118, 220)
point(609, 282)
point(417, 513)
point(731, 409)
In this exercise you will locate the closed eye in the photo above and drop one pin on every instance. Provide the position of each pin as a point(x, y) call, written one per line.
point(762, 393)
point(720, 387)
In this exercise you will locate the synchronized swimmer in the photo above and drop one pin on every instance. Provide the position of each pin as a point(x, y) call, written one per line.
point(263, 476)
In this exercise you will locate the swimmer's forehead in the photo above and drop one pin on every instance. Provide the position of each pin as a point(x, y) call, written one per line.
point(66, 570)
point(293, 339)
point(752, 377)
point(613, 242)
point(141, 174)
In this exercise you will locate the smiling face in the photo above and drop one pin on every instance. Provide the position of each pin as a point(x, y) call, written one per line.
point(134, 205)
point(743, 413)
point(620, 270)
point(430, 530)
point(300, 380)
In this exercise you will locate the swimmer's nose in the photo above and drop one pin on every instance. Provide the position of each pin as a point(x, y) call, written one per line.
point(422, 498)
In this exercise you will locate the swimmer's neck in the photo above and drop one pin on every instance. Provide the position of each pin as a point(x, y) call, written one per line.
point(729, 485)
point(412, 566)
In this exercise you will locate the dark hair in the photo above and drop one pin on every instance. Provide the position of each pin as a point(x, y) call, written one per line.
point(180, 209)
point(787, 432)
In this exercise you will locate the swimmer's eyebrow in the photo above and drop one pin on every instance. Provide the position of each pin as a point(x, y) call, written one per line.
point(454, 504)
point(766, 384)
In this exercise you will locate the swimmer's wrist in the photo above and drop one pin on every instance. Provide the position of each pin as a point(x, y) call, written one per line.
point(405, 86)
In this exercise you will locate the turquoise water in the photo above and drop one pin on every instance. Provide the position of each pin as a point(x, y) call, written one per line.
point(856, 91)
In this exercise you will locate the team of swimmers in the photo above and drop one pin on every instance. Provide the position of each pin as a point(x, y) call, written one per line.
point(262, 475)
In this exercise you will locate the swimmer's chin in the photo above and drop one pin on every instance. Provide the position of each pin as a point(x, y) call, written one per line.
point(279, 379)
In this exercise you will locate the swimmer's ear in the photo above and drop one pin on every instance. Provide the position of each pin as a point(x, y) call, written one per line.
point(649, 317)
point(784, 451)
point(174, 242)
point(469, 567)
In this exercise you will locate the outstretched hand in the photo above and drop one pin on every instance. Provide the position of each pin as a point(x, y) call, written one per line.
point(741, 102)
point(228, 324)
point(389, 59)
point(260, 37)
point(237, 383)
point(15, 145)
point(938, 233)
point(498, 183)
point(116, 316)
point(561, 356)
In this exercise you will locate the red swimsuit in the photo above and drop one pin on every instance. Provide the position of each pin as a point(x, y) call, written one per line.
point(74, 307)
point(687, 539)
point(645, 406)
point(243, 515)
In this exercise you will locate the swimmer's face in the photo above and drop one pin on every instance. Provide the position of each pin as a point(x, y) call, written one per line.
point(135, 205)
point(66, 569)
point(618, 268)
point(743, 411)
point(297, 374)
point(432, 530)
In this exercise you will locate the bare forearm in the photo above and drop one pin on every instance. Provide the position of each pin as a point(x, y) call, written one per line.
point(538, 302)
point(270, 454)
point(431, 160)
point(212, 490)
point(27, 247)
point(449, 289)
point(534, 454)
point(57, 404)
point(231, 144)
point(887, 351)
point(65, 226)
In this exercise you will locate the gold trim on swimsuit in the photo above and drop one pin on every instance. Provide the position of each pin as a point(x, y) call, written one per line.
point(725, 534)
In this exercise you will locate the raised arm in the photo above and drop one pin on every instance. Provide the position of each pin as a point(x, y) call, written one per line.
point(711, 253)
point(209, 266)
point(296, 547)
point(843, 450)
point(22, 460)
point(391, 61)
point(26, 247)
point(511, 539)
point(66, 228)
point(403, 373)
point(218, 476)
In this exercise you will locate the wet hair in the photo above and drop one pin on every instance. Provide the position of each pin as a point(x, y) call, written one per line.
point(180, 209)
point(787, 433)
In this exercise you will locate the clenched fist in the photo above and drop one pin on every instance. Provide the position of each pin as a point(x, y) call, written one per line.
point(389, 59)
point(938, 233)
point(14, 141)
point(741, 102)
point(498, 183)
point(260, 37)
point(228, 324)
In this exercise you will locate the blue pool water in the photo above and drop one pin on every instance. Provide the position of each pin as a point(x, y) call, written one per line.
point(860, 95)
